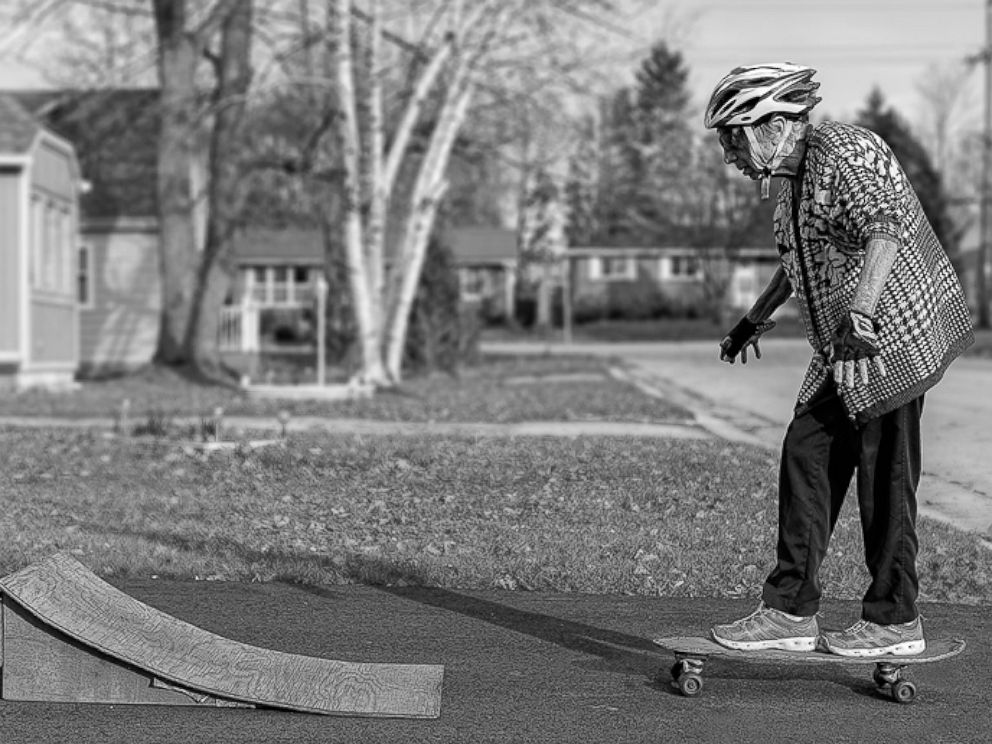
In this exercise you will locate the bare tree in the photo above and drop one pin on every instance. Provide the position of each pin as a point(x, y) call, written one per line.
point(226, 192)
point(180, 36)
point(183, 42)
point(470, 55)
point(944, 96)
point(399, 84)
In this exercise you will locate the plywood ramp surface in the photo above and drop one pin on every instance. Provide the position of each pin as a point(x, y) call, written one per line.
point(65, 596)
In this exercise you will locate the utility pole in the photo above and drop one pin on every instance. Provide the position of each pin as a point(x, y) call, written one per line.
point(981, 268)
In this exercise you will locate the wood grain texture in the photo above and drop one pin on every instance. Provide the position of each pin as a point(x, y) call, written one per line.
point(65, 596)
point(43, 664)
point(693, 645)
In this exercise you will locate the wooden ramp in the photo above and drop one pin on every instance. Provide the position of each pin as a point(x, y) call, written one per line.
point(68, 636)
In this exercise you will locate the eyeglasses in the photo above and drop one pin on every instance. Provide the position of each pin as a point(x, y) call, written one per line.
point(731, 137)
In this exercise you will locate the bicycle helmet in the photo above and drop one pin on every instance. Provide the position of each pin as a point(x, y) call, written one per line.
point(750, 93)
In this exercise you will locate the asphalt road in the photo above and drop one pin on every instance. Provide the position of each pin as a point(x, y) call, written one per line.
point(756, 401)
point(528, 667)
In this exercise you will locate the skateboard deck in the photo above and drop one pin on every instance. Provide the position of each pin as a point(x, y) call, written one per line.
point(691, 653)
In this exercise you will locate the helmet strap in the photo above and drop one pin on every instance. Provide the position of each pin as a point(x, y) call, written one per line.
point(766, 184)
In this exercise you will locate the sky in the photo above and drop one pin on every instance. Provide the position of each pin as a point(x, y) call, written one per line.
point(854, 44)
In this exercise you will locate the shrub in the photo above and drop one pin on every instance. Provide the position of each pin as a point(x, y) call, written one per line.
point(443, 334)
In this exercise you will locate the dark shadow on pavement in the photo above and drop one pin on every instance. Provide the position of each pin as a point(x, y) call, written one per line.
point(613, 651)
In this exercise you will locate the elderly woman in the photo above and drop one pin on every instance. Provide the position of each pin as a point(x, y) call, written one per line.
point(885, 315)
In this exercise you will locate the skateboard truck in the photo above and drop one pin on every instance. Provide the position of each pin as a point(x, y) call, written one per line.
point(691, 654)
point(687, 676)
point(888, 676)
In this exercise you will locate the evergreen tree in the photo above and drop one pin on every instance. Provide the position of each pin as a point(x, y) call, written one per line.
point(886, 122)
point(543, 222)
point(648, 150)
point(543, 239)
point(582, 188)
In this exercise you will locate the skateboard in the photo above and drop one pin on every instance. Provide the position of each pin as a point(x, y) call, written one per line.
point(691, 654)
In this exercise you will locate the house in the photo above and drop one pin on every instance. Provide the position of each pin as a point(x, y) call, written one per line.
point(39, 191)
point(277, 272)
point(114, 133)
point(487, 261)
point(117, 287)
point(646, 280)
point(113, 304)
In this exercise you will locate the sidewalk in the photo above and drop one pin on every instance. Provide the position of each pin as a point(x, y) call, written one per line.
point(528, 667)
point(270, 426)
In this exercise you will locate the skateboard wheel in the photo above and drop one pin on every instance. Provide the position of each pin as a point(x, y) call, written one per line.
point(903, 691)
point(690, 684)
point(676, 670)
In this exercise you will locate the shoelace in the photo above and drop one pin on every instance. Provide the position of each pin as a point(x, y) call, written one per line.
point(858, 627)
point(753, 617)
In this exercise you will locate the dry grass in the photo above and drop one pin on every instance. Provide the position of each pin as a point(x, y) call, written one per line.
point(500, 389)
point(604, 515)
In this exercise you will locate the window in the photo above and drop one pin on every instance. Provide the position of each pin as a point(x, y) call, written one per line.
point(49, 249)
point(685, 267)
point(280, 285)
point(84, 278)
point(612, 268)
point(473, 283)
point(37, 241)
point(50, 267)
point(259, 285)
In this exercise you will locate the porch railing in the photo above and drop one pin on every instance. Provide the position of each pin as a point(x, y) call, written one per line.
point(239, 328)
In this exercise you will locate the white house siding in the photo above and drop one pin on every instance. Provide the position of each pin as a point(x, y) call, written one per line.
point(52, 169)
point(11, 293)
point(53, 333)
point(119, 328)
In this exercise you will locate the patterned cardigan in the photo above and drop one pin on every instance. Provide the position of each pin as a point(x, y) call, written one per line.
point(851, 188)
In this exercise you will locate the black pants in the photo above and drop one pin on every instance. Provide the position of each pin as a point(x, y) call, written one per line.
point(820, 454)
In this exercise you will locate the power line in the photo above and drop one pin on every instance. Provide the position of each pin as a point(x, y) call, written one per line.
point(845, 62)
point(845, 48)
point(855, 5)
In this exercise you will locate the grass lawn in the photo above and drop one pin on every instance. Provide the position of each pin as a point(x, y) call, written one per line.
point(498, 389)
point(606, 515)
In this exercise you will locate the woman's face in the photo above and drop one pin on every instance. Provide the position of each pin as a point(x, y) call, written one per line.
point(737, 150)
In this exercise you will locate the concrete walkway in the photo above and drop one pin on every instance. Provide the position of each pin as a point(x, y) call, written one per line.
point(303, 424)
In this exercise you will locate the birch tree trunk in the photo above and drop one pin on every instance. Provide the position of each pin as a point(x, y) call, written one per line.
point(428, 191)
point(349, 141)
point(378, 195)
point(382, 304)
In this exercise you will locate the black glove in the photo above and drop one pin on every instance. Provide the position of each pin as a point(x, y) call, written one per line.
point(854, 343)
point(745, 333)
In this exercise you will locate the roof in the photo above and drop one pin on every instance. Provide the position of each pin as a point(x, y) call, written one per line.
point(470, 245)
point(114, 133)
point(743, 252)
point(482, 245)
point(288, 244)
point(18, 129)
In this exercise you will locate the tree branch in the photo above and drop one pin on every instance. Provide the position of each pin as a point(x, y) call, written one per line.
point(213, 21)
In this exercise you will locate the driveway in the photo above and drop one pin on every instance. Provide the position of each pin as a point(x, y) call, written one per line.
point(525, 667)
point(754, 402)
